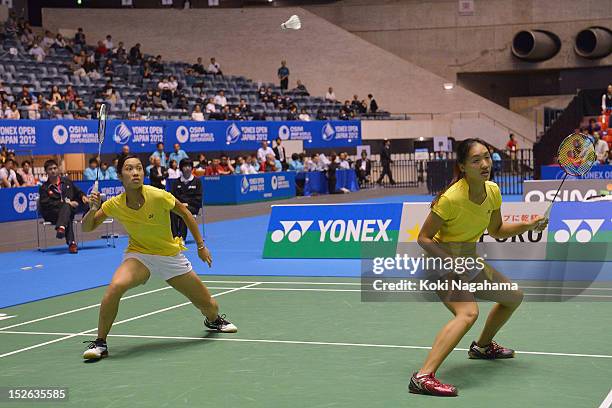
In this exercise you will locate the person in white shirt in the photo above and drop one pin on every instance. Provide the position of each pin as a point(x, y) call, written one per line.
point(304, 115)
point(48, 40)
point(220, 99)
point(197, 114)
point(13, 112)
point(37, 52)
point(173, 171)
point(8, 177)
point(108, 42)
point(601, 149)
point(214, 67)
point(263, 151)
point(330, 95)
point(210, 106)
point(343, 162)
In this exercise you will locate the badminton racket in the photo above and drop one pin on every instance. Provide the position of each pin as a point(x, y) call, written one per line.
point(101, 129)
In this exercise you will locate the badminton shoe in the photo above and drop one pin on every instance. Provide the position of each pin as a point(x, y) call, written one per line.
point(221, 325)
point(60, 232)
point(490, 352)
point(428, 384)
point(96, 350)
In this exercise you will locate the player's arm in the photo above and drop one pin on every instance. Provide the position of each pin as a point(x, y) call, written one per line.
point(430, 228)
point(502, 230)
point(183, 212)
point(95, 216)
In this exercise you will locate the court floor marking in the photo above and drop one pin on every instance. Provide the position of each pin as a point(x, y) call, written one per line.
point(293, 289)
point(299, 342)
point(607, 402)
point(87, 332)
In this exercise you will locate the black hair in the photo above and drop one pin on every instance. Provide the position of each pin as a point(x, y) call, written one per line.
point(160, 143)
point(463, 149)
point(295, 156)
point(185, 162)
point(49, 163)
point(123, 159)
point(23, 163)
point(93, 160)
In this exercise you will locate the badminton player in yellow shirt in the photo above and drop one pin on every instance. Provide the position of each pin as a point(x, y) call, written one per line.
point(144, 211)
point(458, 218)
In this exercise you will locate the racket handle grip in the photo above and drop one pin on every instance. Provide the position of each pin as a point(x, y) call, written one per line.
point(94, 189)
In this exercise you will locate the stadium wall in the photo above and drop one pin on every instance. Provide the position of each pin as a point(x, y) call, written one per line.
point(249, 42)
point(432, 34)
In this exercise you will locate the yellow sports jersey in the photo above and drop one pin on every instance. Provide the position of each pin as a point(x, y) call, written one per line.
point(149, 226)
point(465, 221)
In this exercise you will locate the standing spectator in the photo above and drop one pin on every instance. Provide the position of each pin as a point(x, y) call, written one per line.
point(79, 37)
point(220, 99)
point(135, 56)
point(158, 174)
point(187, 190)
point(8, 177)
point(173, 170)
point(161, 154)
point(214, 67)
point(373, 104)
point(385, 160)
point(331, 174)
point(512, 147)
point(197, 114)
point(264, 151)
point(606, 101)
point(108, 42)
point(59, 200)
point(280, 154)
point(330, 95)
point(363, 168)
point(25, 173)
point(91, 172)
point(601, 149)
point(178, 154)
point(198, 67)
point(283, 76)
point(343, 162)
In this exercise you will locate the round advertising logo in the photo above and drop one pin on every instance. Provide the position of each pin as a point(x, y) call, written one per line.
point(60, 134)
point(182, 134)
point(20, 202)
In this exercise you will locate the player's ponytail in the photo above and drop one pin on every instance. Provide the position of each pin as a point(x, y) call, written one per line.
point(463, 149)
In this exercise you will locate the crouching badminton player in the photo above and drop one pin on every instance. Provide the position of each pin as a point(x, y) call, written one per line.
point(458, 218)
point(144, 211)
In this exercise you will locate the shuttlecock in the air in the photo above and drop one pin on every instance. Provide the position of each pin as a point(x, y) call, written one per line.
point(293, 23)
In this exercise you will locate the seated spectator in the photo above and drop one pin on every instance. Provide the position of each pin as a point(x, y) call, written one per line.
point(109, 69)
point(214, 168)
point(47, 112)
point(164, 88)
point(296, 164)
point(182, 103)
point(48, 40)
point(37, 52)
point(197, 114)
point(55, 96)
point(261, 93)
point(226, 166)
point(593, 126)
point(91, 172)
point(236, 114)
point(321, 115)
point(356, 104)
point(214, 67)
point(238, 163)
point(34, 108)
point(271, 164)
point(250, 165)
point(264, 151)
point(25, 175)
point(330, 95)
point(210, 106)
point(300, 88)
point(13, 113)
point(120, 53)
point(8, 177)
point(198, 67)
point(70, 94)
point(104, 171)
point(112, 170)
point(173, 170)
point(150, 166)
point(158, 174)
point(202, 161)
point(601, 149)
point(343, 162)
point(220, 99)
point(146, 71)
point(133, 113)
point(245, 109)
point(157, 65)
point(187, 190)
point(304, 115)
point(161, 154)
point(59, 200)
point(293, 113)
point(81, 112)
point(363, 168)
point(100, 52)
point(178, 154)
point(158, 102)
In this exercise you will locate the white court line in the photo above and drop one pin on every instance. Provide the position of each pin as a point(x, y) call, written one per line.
point(311, 343)
point(116, 323)
point(607, 402)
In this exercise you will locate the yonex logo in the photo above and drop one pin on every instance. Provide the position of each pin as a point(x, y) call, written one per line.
point(122, 133)
point(20, 202)
point(244, 185)
point(582, 235)
point(328, 132)
point(283, 132)
point(182, 134)
point(60, 134)
point(232, 135)
point(292, 235)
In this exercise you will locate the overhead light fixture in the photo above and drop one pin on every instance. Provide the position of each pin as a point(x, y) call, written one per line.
point(421, 139)
point(448, 86)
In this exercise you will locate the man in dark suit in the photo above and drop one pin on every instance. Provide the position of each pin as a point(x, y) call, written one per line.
point(385, 160)
point(158, 174)
point(363, 168)
point(279, 152)
point(188, 190)
point(59, 200)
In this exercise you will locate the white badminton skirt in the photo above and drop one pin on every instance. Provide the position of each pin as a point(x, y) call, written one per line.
point(166, 267)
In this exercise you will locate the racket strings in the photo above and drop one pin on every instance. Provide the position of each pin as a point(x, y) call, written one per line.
point(577, 154)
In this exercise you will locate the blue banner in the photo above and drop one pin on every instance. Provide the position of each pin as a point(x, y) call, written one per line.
point(238, 189)
point(81, 136)
point(557, 173)
point(21, 203)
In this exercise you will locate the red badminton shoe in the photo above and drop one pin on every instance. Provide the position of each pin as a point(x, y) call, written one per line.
point(428, 384)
